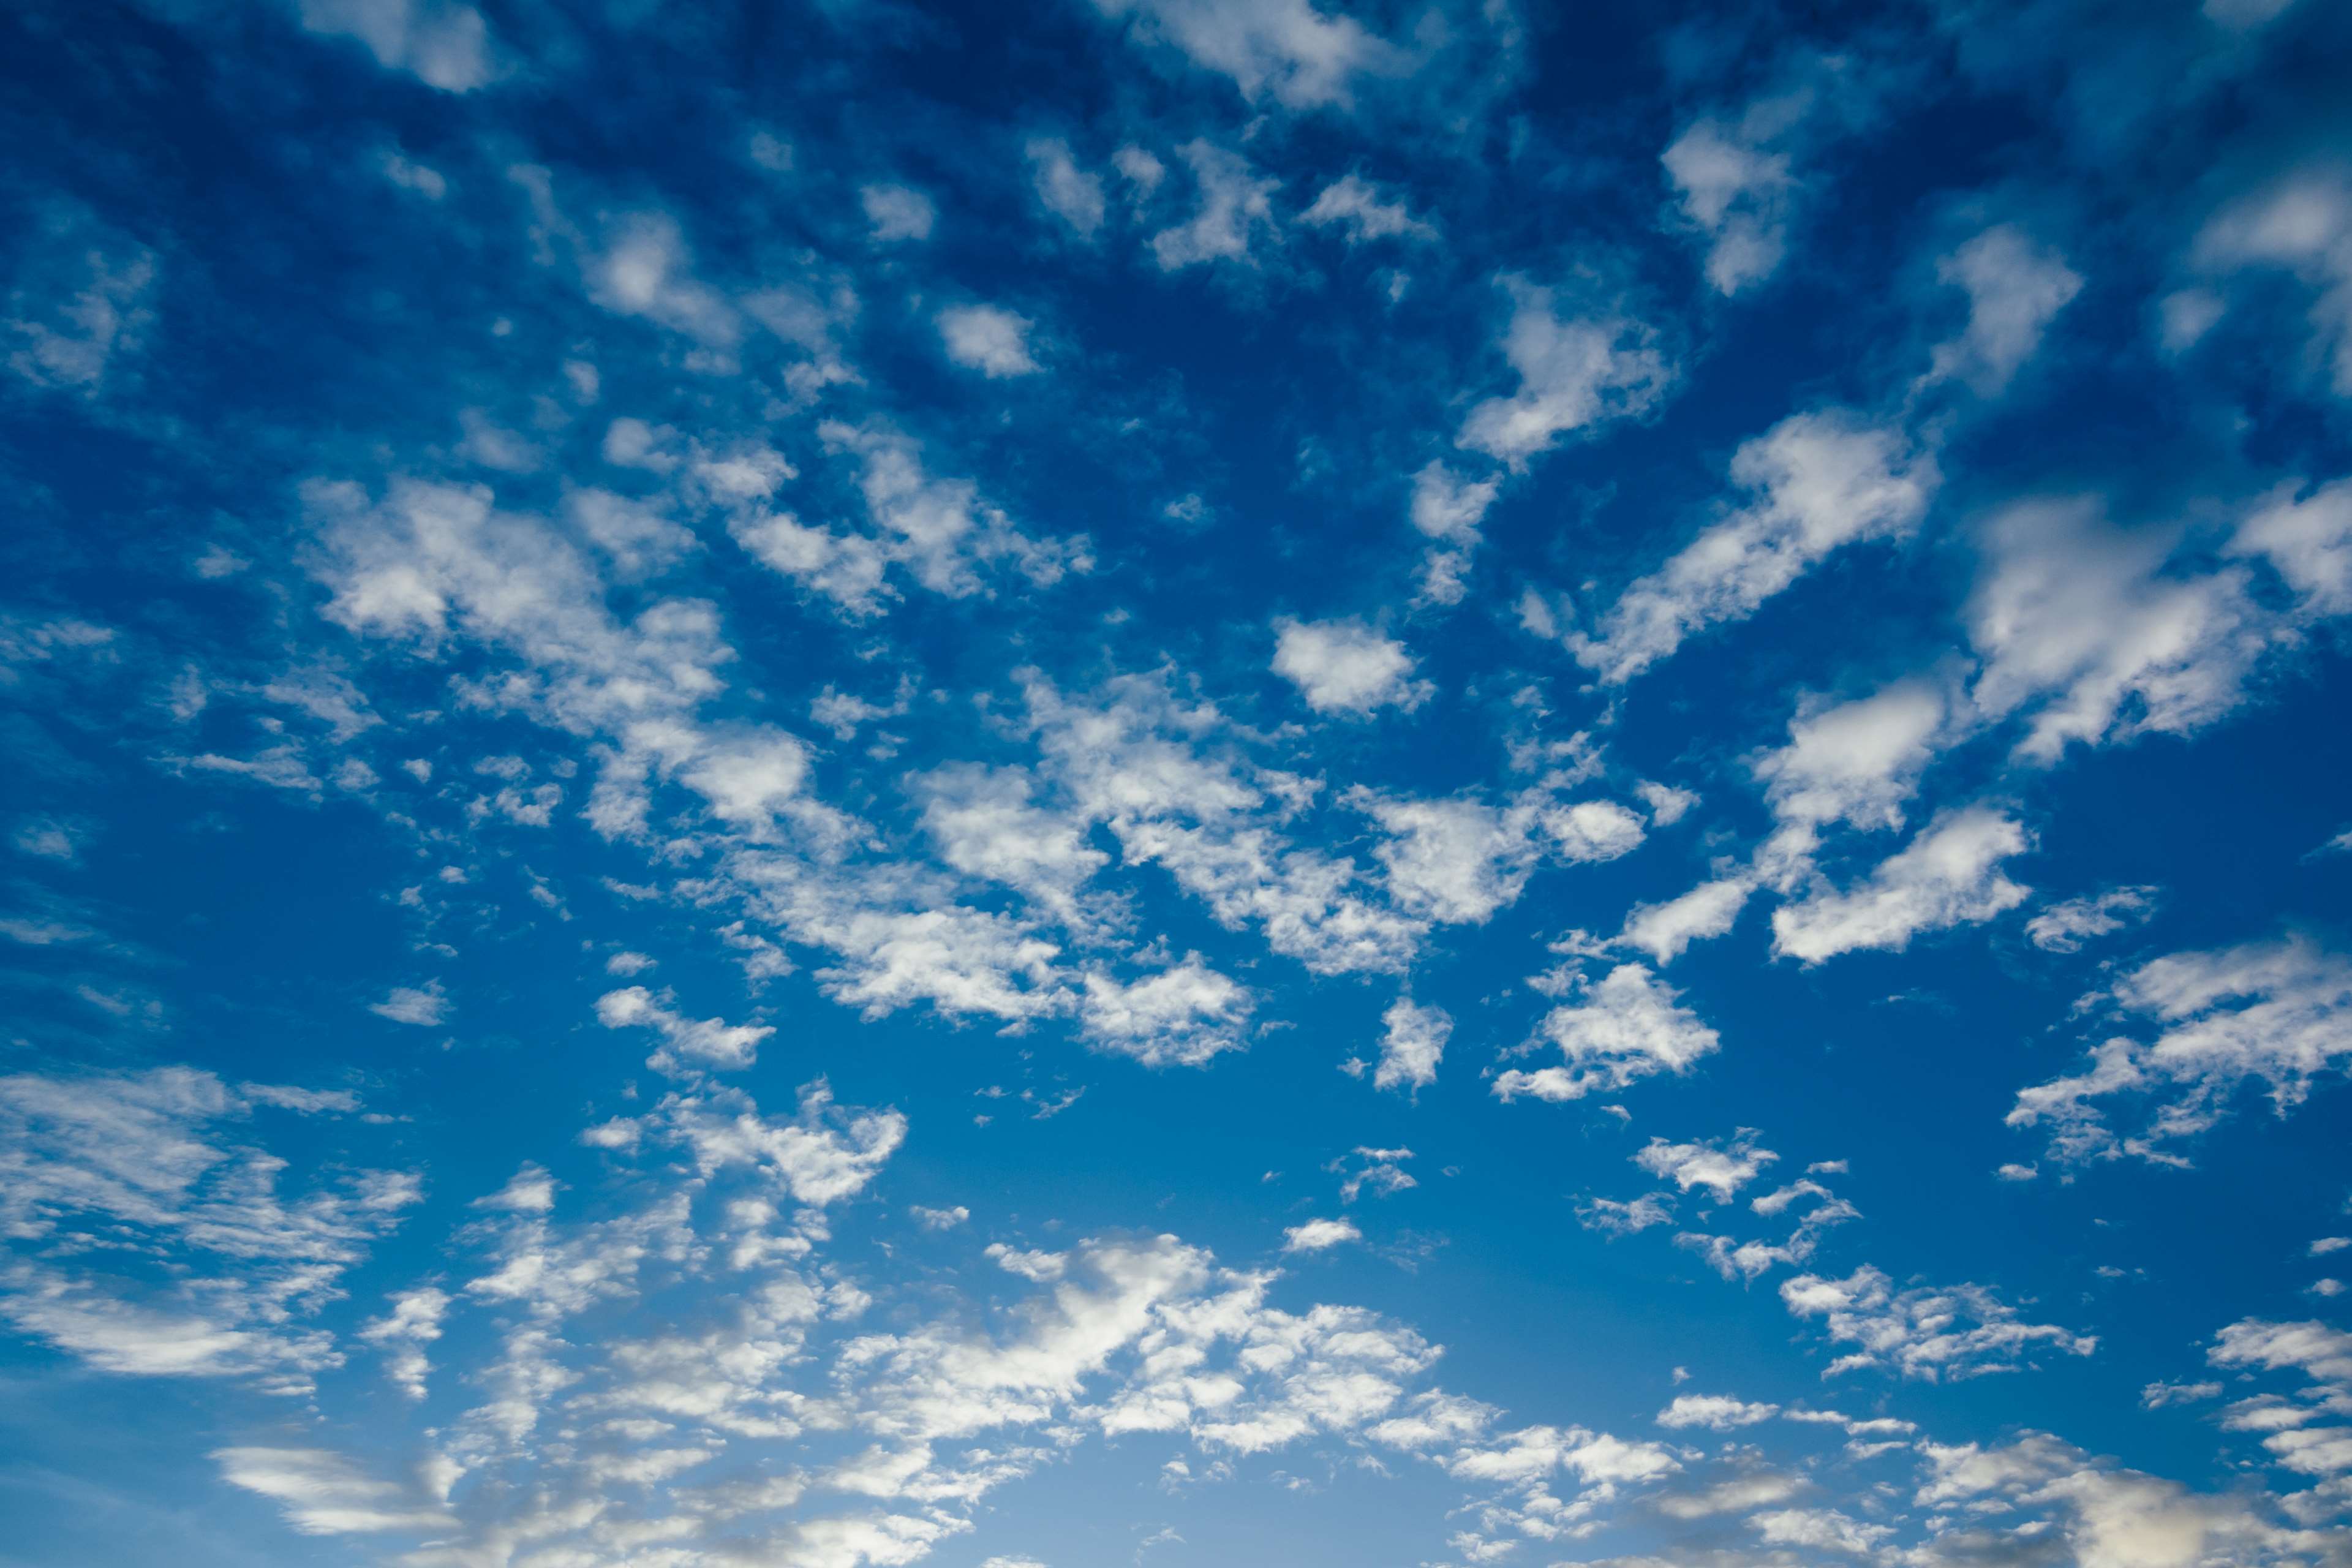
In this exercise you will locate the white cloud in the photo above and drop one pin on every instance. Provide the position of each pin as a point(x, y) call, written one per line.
point(1822, 481)
point(848, 569)
point(1346, 667)
point(1383, 1170)
point(1319, 1236)
point(1455, 861)
point(2077, 628)
point(2270, 1013)
point(423, 1006)
point(710, 1041)
point(1949, 875)
point(1722, 1171)
point(414, 1323)
point(1734, 188)
point(1412, 1042)
point(821, 1156)
point(985, 824)
point(530, 1190)
point(2015, 288)
point(939, 1219)
point(82, 304)
point(2320, 1352)
point(1068, 192)
point(1857, 762)
point(2116, 1518)
point(896, 212)
point(1447, 509)
point(1235, 205)
point(322, 1494)
point(897, 938)
point(1573, 374)
point(990, 339)
point(2308, 539)
point(1628, 1026)
point(1663, 930)
point(97, 1171)
point(2064, 927)
point(1923, 1333)
point(2162, 1396)
point(939, 529)
point(2246, 15)
point(1183, 1015)
point(1823, 1529)
point(1288, 48)
point(644, 270)
point(440, 42)
point(637, 536)
point(1356, 204)
point(2300, 223)
point(1716, 1412)
point(1156, 771)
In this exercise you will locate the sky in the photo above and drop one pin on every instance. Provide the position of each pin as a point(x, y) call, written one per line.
point(1175, 782)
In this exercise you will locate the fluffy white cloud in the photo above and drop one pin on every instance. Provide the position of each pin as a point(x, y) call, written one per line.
point(2105, 1517)
point(1453, 860)
point(1721, 1170)
point(2271, 1013)
point(1412, 1042)
point(710, 1041)
point(2079, 629)
point(1346, 667)
point(1236, 205)
point(442, 43)
point(1160, 776)
point(423, 1006)
point(1320, 1235)
point(985, 823)
point(1287, 48)
point(1356, 205)
point(821, 1156)
point(82, 305)
point(1447, 509)
point(1183, 1015)
point(1663, 930)
point(100, 1172)
point(2064, 927)
point(1736, 176)
point(645, 270)
point(1821, 481)
point(1628, 1026)
point(1735, 191)
point(940, 529)
point(1068, 192)
point(321, 1493)
point(414, 1323)
point(1573, 374)
point(1823, 1529)
point(2308, 539)
point(1857, 762)
point(2015, 288)
point(1715, 1412)
point(988, 338)
point(1949, 875)
point(2299, 223)
point(1924, 1331)
point(896, 212)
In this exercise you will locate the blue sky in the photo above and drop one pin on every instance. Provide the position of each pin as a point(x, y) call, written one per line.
point(1175, 782)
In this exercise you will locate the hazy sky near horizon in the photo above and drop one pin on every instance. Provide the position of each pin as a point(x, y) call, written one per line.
point(1175, 782)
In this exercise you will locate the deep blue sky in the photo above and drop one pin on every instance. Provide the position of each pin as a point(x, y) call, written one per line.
point(1179, 781)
